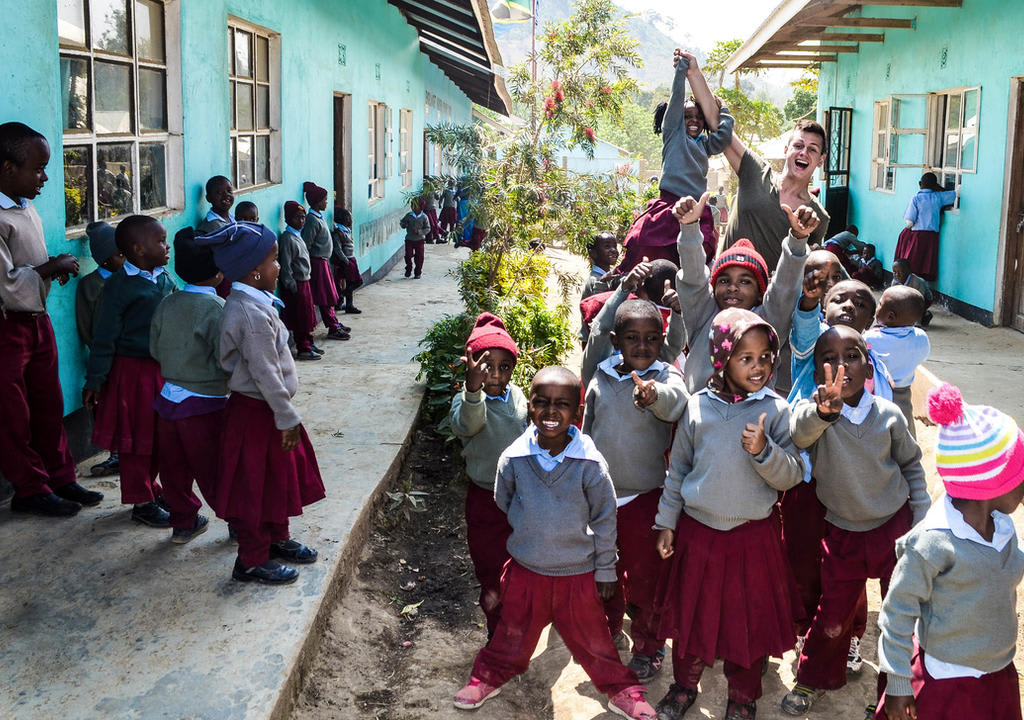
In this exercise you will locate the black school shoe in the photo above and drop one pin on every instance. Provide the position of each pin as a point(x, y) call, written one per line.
point(45, 504)
point(269, 573)
point(293, 551)
point(151, 514)
point(110, 466)
point(307, 356)
point(180, 536)
point(76, 493)
point(353, 310)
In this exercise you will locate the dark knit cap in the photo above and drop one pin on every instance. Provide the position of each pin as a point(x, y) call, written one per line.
point(101, 240)
point(314, 193)
point(239, 247)
point(192, 262)
point(489, 332)
point(743, 254)
point(290, 207)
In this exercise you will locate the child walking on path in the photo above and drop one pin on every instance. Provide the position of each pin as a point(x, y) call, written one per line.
point(692, 130)
point(870, 480)
point(553, 484)
point(299, 312)
point(34, 454)
point(185, 340)
point(317, 238)
point(122, 379)
point(631, 407)
point(487, 416)
point(268, 470)
point(727, 592)
point(949, 621)
point(417, 227)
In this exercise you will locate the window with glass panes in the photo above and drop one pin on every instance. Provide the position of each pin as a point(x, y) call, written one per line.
point(379, 155)
point(405, 146)
point(953, 135)
point(252, 105)
point(114, 107)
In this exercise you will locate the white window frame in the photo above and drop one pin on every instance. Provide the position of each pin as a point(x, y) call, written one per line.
point(270, 132)
point(170, 138)
point(405, 146)
point(379, 150)
point(940, 131)
point(882, 174)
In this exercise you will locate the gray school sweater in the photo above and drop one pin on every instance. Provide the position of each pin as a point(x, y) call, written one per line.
point(599, 342)
point(254, 350)
point(417, 227)
point(865, 472)
point(563, 521)
point(956, 596)
point(633, 440)
point(293, 257)
point(486, 427)
point(185, 339)
point(699, 306)
point(317, 237)
point(712, 478)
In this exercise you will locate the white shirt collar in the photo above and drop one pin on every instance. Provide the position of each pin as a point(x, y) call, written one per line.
point(580, 447)
point(944, 516)
point(342, 227)
point(759, 395)
point(293, 231)
point(130, 269)
point(214, 216)
point(894, 331)
point(598, 271)
point(859, 413)
point(503, 397)
point(199, 289)
point(7, 202)
point(609, 363)
point(104, 273)
point(262, 296)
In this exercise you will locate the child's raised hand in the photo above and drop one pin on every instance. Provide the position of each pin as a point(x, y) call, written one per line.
point(670, 298)
point(803, 221)
point(829, 397)
point(815, 282)
point(900, 707)
point(476, 369)
point(754, 438)
point(290, 438)
point(687, 210)
point(645, 392)
point(640, 272)
point(665, 543)
point(606, 590)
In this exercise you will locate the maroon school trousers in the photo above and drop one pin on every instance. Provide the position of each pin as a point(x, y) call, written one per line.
point(435, 225)
point(34, 454)
point(637, 569)
point(487, 532)
point(414, 252)
point(529, 603)
point(189, 451)
point(848, 560)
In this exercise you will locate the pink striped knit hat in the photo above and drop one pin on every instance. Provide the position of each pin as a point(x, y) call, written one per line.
point(979, 451)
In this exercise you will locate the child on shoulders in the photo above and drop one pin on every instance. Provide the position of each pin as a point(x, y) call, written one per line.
point(553, 484)
point(487, 416)
point(631, 408)
point(949, 621)
point(317, 237)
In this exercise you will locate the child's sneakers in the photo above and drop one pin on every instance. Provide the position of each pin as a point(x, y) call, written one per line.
point(631, 703)
point(799, 701)
point(676, 702)
point(475, 694)
point(854, 662)
point(646, 666)
point(740, 711)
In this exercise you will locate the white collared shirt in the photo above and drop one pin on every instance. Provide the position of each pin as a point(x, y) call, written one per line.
point(199, 289)
point(503, 397)
point(130, 269)
point(211, 216)
point(609, 363)
point(7, 202)
point(177, 394)
point(293, 231)
point(311, 211)
point(526, 445)
point(858, 413)
point(104, 273)
point(260, 295)
point(760, 394)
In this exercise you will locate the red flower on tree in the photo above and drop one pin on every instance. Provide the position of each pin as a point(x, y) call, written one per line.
point(589, 132)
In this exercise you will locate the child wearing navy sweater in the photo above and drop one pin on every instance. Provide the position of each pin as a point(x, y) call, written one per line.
point(631, 407)
point(553, 484)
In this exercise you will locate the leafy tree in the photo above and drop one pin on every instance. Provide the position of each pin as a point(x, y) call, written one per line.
point(719, 55)
point(808, 81)
point(803, 103)
point(755, 119)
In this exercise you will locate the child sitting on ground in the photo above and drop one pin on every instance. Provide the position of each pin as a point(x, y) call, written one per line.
point(220, 193)
point(268, 470)
point(737, 279)
point(949, 621)
point(553, 485)
point(343, 257)
point(631, 407)
point(870, 480)
point(901, 275)
point(247, 211)
point(487, 416)
point(603, 251)
point(869, 268)
point(726, 592)
point(185, 339)
point(417, 227)
point(122, 379)
point(299, 314)
point(318, 241)
point(109, 260)
point(900, 344)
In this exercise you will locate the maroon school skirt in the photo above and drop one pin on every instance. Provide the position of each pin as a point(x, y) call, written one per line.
point(653, 234)
point(921, 248)
point(449, 216)
point(259, 482)
point(299, 313)
point(321, 282)
point(125, 418)
point(727, 593)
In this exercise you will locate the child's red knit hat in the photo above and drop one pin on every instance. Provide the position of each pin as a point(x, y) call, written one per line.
point(314, 193)
point(290, 207)
point(743, 254)
point(489, 332)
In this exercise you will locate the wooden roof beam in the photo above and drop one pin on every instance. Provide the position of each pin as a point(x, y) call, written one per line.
point(790, 49)
point(914, 3)
point(841, 37)
point(787, 57)
point(870, 22)
point(782, 66)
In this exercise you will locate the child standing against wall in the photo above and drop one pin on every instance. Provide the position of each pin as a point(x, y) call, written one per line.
point(299, 313)
point(220, 193)
point(343, 258)
point(318, 241)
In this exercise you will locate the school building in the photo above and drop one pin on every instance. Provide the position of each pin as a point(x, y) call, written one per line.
point(143, 100)
point(913, 86)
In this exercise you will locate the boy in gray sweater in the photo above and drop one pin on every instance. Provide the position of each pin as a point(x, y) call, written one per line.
point(871, 482)
point(631, 407)
point(949, 621)
point(554, 486)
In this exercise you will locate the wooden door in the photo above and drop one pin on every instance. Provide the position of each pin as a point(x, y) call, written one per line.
point(1015, 222)
point(343, 150)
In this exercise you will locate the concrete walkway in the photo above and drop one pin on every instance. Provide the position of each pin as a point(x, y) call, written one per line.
point(104, 618)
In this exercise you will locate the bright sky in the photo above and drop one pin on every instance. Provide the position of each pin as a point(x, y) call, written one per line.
point(709, 21)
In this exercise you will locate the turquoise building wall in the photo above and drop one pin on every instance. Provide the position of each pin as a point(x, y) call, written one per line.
point(975, 45)
point(311, 30)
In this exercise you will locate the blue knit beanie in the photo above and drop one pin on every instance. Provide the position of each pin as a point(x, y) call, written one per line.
point(101, 240)
point(239, 247)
